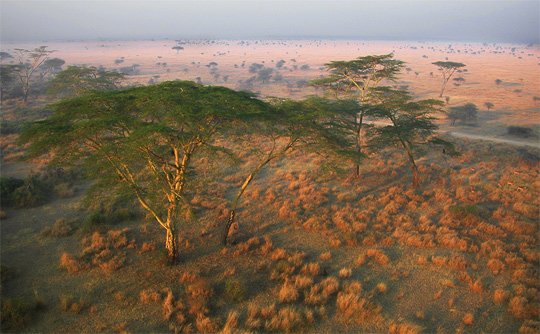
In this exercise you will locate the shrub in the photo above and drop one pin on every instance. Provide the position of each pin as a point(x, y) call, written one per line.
point(59, 229)
point(288, 293)
point(7, 186)
point(32, 192)
point(15, 314)
point(520, 131)
point(234, 289)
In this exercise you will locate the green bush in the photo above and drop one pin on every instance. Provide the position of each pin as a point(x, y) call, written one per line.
point(234, 289)
point(7, 186)
point(33, 192)
point(465, 210)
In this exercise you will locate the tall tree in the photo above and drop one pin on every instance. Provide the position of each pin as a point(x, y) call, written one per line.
point(447, 69)
point(29, 62)
point(356, 78)
point(76, 80)
point(410, 124)
point(144, 140)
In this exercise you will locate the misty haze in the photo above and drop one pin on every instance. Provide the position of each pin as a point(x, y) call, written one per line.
point(270, 166)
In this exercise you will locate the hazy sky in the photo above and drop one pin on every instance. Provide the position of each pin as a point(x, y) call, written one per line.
point(462, 20)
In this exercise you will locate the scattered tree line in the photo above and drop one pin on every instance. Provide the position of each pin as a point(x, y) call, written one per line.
point(153, 141)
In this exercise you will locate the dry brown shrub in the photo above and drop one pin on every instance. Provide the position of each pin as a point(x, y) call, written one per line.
point(113, 264)
point(59, 229)
point(288, 320)
point(148, 295)
point(205, 324)
point(334, 242)
point(345, 272)
point(147, 247)
point(422, 260)
point(325, 256)
point(70, 264)
point(311, 269)
point(520, 308)
point(500, 296)
point(439, 261)
point(495, 265)
point(404, 328)
point(231, 324)
point(382, 287)
point(168, 305)
point(301, 281)
point(468, 319)
point(457, 262)
point(476, 286)
point(378, 256)
point(188, 277)
point(360, 260)
point(530, 327)
point(352, 308)
point(278, 254)
point(252, 319)
point(288, 293)
point(199, 294)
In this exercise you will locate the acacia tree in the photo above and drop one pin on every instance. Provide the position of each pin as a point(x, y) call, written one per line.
point(144, 140)
point(489, 105)
point(411, 123)
point(77, 80)
point(51, 66)
point(316, 125)
point(29, 62)
point(357, 78)
point(447, 69)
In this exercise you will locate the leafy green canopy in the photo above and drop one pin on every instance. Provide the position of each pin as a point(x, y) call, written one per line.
point(360, 74)
point(76, 80)
point(138, 128)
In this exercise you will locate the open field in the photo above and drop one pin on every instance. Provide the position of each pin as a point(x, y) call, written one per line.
point(316, 251)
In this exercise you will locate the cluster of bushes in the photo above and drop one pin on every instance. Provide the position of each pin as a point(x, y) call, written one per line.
point(36, 189)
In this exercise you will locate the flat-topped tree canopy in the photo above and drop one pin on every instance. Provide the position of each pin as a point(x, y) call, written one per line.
point(448, 64)
point(360, 73)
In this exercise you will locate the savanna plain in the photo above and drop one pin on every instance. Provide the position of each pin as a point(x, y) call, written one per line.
point(423, 219)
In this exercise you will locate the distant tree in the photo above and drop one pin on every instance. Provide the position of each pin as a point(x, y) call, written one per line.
point(28, 63)
point(177, 48)
point(467, 113)
point(4, 56)
point(411, 123)
point(52, 65)
point(447, 69)
point(498, 82)
point(254, 68)
point(304, 67)
point(280, 63)
point(264, 74)
point(356, 79)
point(144, 141)
point(536, 99)
point(489, 105)
point(76, 80)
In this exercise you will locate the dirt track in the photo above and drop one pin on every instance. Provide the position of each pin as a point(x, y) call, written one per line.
point(494, 139)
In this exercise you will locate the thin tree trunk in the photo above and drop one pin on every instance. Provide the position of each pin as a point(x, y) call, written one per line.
point(414, 168)
point(171, 244)
point(359, 142)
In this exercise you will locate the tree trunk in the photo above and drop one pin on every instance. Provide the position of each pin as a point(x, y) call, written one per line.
point(414, 168)
point(171, 245)
point(230, 222)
